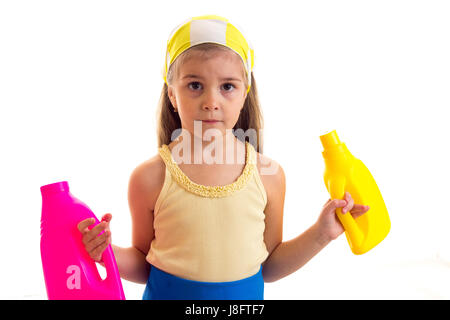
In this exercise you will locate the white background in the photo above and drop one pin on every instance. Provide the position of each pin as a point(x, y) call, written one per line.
point(79, 86)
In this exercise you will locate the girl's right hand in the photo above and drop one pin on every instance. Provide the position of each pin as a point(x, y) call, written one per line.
point(96, 238)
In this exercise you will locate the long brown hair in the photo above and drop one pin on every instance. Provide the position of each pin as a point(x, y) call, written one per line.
point(250, 117)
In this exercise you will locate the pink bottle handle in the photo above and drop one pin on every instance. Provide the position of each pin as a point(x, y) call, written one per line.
point(110, 265)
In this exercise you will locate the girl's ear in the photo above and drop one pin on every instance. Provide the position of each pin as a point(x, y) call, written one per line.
point(171, 95)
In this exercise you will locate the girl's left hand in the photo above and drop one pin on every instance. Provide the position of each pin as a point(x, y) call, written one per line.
point(328, 223)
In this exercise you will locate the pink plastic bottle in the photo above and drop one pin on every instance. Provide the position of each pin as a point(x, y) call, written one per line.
point(69, 272)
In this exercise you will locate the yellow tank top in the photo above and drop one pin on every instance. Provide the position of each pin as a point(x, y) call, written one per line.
point(209, 233)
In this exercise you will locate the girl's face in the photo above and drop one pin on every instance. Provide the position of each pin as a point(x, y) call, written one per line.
point(210, 86)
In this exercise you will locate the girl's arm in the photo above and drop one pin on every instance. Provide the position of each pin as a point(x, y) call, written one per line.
point(132, 264)
point(287, 257)
point(143, 189)
point(130, 261)
point(144, 186)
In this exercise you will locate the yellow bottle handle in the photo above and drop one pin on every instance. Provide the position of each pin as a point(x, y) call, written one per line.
point(337, 191)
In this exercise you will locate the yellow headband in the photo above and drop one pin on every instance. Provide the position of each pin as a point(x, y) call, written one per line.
point(208, 28)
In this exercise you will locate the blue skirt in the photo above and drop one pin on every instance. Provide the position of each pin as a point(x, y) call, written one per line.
point(164, 286)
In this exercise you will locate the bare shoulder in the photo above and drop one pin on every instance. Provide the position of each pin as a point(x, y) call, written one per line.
point(271, 173)
point(144, 186)
point(273, 179)
point(147, 179)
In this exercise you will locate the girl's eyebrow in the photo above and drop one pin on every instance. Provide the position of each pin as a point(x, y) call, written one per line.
point(199, 77)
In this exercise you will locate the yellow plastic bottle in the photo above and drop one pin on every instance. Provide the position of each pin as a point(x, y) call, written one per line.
point(344, 172)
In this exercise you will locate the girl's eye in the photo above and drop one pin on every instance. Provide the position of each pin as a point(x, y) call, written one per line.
point(228, 84)
point(195, 84)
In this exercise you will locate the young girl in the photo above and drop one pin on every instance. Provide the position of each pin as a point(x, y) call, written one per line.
point(207, 224)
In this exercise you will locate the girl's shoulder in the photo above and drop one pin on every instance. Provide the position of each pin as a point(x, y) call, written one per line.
point(149, 176)
point(271, 173)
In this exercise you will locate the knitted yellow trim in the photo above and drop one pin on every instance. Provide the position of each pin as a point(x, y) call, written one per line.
point(210, 191)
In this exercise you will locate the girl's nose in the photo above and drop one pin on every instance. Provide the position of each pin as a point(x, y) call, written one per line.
point(211, 100)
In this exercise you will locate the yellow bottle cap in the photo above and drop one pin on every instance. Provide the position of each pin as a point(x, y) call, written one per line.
point(330, 139)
